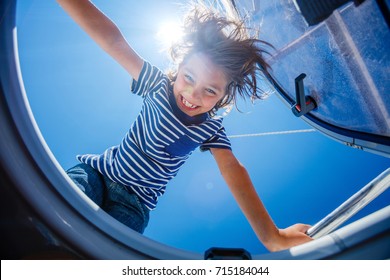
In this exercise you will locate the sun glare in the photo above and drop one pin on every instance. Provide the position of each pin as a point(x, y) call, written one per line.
point(169, 33)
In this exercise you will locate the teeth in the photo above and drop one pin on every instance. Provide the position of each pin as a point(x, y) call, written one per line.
point(188, 104)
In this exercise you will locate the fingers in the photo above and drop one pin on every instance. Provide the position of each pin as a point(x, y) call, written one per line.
point(302, 227)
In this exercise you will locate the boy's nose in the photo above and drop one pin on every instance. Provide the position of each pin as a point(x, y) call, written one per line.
point(195, 93)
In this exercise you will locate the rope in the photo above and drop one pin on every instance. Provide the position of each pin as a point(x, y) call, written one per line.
point(272, 133)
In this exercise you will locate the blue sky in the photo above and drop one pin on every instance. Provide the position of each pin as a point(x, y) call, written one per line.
point(82, 103)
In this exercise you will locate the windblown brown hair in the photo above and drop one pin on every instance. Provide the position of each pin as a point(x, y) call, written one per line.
point(227, 42)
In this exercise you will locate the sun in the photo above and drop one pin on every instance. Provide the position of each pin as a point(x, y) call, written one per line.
point(169, 33)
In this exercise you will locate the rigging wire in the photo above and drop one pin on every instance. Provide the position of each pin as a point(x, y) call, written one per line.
point(272, 133)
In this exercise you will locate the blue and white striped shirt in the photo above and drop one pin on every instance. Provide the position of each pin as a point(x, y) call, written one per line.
point(159, 141)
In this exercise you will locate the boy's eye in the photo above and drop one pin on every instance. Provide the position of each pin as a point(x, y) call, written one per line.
point(210, 91)
point(188, 78)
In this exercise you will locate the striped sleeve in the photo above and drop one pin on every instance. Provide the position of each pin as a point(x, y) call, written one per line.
point(148, 80)
point(219, 140)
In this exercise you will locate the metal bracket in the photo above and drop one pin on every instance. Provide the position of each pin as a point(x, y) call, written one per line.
point(304, 104)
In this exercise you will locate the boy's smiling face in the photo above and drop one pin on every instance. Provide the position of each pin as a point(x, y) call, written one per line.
point(199, 85)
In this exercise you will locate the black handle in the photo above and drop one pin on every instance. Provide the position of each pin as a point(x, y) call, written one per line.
point(304, 104)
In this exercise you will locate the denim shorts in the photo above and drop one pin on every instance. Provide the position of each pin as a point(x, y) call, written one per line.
point(116, 199)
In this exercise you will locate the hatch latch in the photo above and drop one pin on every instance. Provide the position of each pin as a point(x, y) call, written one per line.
point(304, 104)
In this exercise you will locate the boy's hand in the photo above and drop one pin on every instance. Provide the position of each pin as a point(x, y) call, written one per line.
point(292, 236)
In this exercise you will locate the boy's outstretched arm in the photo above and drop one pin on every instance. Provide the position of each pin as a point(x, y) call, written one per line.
point(239, 182)
point(104, 32)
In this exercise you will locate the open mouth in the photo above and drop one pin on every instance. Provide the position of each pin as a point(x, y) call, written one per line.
point(187, 104)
